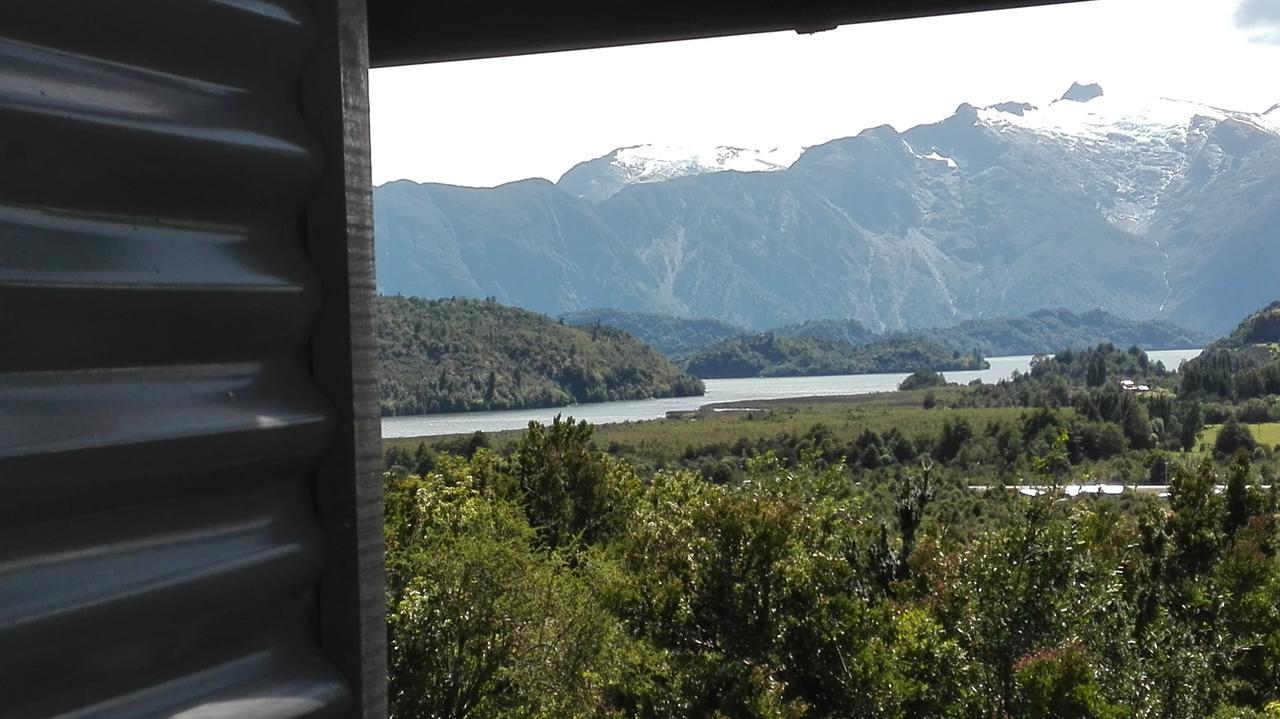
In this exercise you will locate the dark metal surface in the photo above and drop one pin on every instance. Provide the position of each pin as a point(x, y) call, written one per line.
point(183, 522)
point(339, 221)
point(404, 32)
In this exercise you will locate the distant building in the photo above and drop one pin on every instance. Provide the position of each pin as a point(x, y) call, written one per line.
point(1129, 385)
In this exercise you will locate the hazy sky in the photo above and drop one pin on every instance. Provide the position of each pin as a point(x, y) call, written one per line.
point(485, 122)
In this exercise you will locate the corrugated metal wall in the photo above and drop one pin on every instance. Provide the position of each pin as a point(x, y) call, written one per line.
point(161, 420)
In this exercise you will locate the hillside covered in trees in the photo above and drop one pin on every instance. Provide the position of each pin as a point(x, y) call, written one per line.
point(673, 336)
point(458, 355)
point(1055, 330)
point(773, 355)
point(1244, 366)
point(851, 331)
point(1040, 332)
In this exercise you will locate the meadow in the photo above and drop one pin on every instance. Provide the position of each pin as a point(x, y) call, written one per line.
point(845, 416)
point(1267, 434)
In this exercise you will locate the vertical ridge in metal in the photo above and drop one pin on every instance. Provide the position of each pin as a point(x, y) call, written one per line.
point(163, 544)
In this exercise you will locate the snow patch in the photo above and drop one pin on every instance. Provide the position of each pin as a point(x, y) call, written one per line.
point(933, 155)
point(939, 158)
point(1271, 118)
point(654, 163)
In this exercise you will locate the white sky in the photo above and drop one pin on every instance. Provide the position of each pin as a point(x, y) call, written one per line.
point(485, 122)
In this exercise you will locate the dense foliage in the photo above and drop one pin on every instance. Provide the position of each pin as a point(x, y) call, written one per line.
point(1243, 366)
point(674, 337)
point(851, 331)
point(1054, 330)
point(1042, 331)
point(458, 355)
point(922, 379)
point(1259, 328)
point(773, 355)
point(559, 581)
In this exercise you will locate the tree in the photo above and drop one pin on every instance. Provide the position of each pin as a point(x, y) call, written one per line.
point(561, 481)
point(491, 387)
point(914, 494)
point(922, 379)
point(1059, 684)
point(1239, 494)
point(424, 459)
point(1233, 436)
point(1191, 421)
point(1195, 525)
point(1097, 373)
point(955, 432)
point(479, 622)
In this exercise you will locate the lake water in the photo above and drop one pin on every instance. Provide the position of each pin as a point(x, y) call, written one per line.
point(718, 390)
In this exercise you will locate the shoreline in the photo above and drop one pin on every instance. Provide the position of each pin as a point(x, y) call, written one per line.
point(726, 394)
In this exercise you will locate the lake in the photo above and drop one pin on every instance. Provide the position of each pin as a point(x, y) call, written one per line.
point(718, 390)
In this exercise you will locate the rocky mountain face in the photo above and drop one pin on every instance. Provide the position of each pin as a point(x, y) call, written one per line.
point(1161, 209)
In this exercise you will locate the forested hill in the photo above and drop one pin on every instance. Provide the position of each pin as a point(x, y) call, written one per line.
point(1243, 365)
point(1046, 331)
point(772, 355)
point(457, 355)
point(672, 336)
point(1041, 332)
point(851, 331)
point(1260, 329)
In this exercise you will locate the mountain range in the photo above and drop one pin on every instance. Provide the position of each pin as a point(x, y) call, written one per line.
point(1160, 209)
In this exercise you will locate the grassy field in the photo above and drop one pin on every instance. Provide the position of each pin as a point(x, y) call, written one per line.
point(846, 417)
point(1267, 434)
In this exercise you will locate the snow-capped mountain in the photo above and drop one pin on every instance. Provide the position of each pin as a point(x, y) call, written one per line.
point(1131, 151)
point(1144, 208)
point(602, 177)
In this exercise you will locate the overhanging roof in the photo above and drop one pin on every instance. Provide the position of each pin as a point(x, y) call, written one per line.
point(403, 32)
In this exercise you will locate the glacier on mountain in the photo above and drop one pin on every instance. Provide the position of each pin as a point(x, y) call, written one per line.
point(1136, 147)
point(602, 177)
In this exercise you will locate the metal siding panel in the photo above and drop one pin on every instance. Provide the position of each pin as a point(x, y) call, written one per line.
point(335, 99)
point(162, 418)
